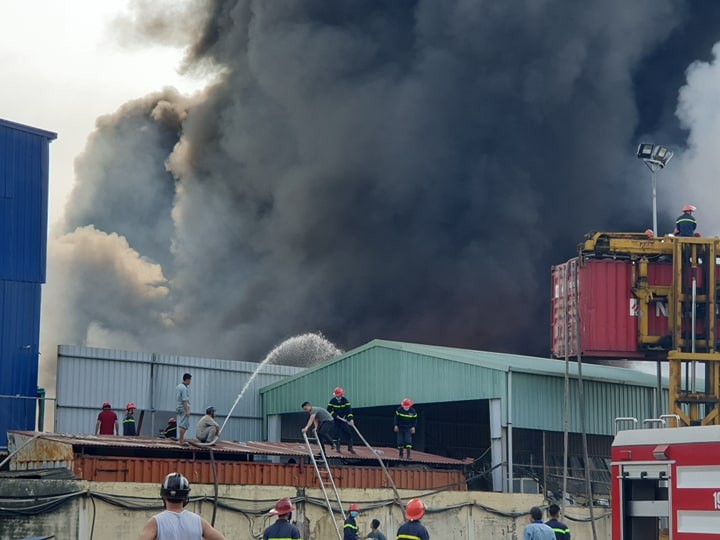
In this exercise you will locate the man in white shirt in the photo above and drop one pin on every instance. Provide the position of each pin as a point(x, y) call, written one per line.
point(176, 523)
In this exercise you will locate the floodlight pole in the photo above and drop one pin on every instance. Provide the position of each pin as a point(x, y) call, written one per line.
point(653, 169)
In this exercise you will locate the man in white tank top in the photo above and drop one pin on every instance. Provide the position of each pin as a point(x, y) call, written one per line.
point(176, 523)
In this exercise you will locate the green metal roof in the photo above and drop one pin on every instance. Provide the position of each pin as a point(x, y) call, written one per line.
point(383, 372)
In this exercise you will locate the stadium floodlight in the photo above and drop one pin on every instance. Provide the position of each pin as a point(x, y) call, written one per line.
point(655, 157)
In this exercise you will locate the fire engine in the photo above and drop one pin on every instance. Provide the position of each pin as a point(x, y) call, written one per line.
point(634, 295)
point(666, 483)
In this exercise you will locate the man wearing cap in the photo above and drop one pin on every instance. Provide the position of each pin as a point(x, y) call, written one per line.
point(129, 425)
point(282, 529)
point(183, 406)
point(208, 429)
point(107, 420)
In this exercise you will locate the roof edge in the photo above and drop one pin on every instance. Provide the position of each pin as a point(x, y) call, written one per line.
point(49, 135)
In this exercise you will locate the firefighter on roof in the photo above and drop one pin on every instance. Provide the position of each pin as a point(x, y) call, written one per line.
point(685, 225)
point(341, 411)
point(405, 422)
point(129, 424)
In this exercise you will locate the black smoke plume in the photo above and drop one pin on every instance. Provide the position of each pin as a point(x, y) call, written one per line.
point(391, 169)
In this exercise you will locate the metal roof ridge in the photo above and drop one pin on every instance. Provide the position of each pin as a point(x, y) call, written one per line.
point(50, 135)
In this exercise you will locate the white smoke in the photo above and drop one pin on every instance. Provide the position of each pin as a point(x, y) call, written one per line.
point(696, 174)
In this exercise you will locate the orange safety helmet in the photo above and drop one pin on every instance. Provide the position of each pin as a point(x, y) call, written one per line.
point(282, 507)
point(106, 404)
point(415, 510)
point(129, 406)
point(339, 392)
point(689, 208)
point(353, 508)
point(407, 403)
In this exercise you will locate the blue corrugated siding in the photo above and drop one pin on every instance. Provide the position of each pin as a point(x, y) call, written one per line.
point(19, 344)
point(24, 169)
point(24, 162)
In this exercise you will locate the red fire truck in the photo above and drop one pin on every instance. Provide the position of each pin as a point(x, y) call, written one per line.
point(666, 483)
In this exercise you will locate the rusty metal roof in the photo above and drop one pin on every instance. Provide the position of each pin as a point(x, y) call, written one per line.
point(120, 445)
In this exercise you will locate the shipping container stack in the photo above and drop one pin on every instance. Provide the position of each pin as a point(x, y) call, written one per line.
point(24, 162)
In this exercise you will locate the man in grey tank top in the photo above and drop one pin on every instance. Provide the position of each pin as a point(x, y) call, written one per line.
point(176, 523)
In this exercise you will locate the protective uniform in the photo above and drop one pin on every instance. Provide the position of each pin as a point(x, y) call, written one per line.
point(413, 529)
point(686, 224)
point(405, 421)
point(341, 411)
point(350, 528)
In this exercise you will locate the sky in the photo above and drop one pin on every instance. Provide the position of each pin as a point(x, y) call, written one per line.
point(63, 67)
point(397, 169)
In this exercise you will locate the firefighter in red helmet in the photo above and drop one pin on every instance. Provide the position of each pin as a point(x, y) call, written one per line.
point(686, 224)
point(342, 413)
point(414, 512)
point(405, 422)
point(350, 528)
point(282, 529)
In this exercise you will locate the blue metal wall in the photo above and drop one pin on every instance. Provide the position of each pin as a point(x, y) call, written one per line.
point(24, 162)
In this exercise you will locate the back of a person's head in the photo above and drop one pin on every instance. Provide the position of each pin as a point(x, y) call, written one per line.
point(554, 510)
point(536, 513)
point(375, 523)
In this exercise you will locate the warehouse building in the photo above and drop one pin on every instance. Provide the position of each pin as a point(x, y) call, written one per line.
point(24, 171)
point(505, 411)
point(89, 376)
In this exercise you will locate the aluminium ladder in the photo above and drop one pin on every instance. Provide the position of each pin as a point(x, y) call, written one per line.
point(326, 480)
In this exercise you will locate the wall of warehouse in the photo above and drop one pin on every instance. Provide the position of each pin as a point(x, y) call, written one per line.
point(458, 515)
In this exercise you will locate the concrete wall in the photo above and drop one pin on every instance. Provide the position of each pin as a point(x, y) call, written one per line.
point(457, 515)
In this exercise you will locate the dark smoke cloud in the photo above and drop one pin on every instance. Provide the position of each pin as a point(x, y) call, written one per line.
point(401, 170)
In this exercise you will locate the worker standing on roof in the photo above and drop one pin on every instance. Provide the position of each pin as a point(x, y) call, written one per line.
point(341, 411)
point(321, 420)
point(176, 523)
point(282, 529)
point(107, 421)
point(413, 529)
point(350, 528)
point(208, 429)
point(183, 406)
point(405, 423)
point(686, 224)
point(129, 424)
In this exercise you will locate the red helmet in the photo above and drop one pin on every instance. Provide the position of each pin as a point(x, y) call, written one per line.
point(106, 404)
point(172, 421)
point(283, 506)
point(415, 510)
point(353, 508)
point(407, 403)
point(339, 392)
point(129, 406)
point(649, 233)
point(689, 208)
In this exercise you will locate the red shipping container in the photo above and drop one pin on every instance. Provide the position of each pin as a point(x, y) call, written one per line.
point(600, 292)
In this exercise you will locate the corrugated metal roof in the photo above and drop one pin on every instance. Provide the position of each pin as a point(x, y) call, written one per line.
point(19, 345)
point(157, 446)
point(381, 373)
point(24, 169)
point(88, 376)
